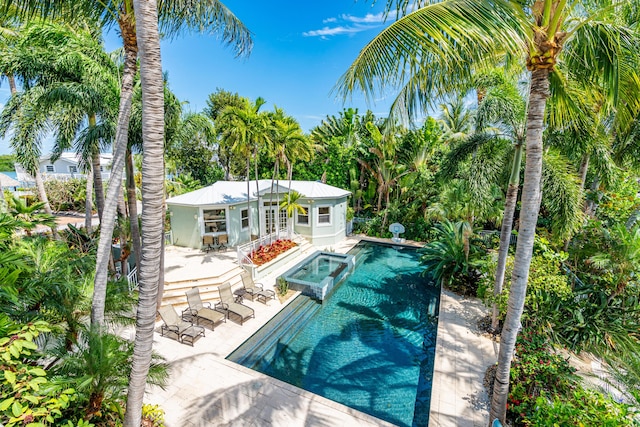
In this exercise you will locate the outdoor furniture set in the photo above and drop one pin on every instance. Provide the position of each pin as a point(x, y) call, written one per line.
point(214, 241)
point(187, 331)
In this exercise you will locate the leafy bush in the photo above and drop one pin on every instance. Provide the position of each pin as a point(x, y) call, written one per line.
point(580, 408)
point(152, 416)
point(548, 286)
point(536, 370)
point(67, 195)
point(282, 286)
point(453, 258)
point(28, 395)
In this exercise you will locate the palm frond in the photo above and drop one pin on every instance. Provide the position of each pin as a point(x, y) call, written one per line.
point(204, 16)
point(562, 195)
point(440, 43)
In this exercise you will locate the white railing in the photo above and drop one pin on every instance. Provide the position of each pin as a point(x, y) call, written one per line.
point(132, 279)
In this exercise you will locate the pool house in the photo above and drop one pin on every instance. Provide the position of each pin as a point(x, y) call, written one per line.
point(225, 213)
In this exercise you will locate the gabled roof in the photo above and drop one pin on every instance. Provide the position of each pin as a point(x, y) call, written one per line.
point(74, 158)
point(309, 189)
point(234, 192)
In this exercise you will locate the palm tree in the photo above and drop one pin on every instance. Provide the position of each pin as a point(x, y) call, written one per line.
point(433, 51)
point(286, 140)
point(247, 130)
point(30, 216)
point(152, 203)
point(175, 17)
point(291, 206)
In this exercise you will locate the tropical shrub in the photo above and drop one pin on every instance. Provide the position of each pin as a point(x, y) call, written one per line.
point(282, 286)
point(580, 408)
point(536, 370)
point(67, 195)
point(7, 162)
point(99, 370)
point(453, 258)
point(548, 286)
point(28, 395)
point(152, 416)
point(266, 253)
point(617, 205)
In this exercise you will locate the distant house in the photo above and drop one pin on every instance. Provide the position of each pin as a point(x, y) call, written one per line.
point(221, 209)
point(66, 167)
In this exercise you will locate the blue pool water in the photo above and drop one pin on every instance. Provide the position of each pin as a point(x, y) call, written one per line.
point(370, 345)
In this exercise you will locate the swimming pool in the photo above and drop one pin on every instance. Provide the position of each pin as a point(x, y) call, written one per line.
point(370, 345)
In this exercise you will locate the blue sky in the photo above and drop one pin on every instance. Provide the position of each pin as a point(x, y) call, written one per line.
point(301, 48)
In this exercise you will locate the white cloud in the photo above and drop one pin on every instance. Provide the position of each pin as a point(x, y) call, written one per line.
point(369, 18)
point(347, 24)
point(327, 31)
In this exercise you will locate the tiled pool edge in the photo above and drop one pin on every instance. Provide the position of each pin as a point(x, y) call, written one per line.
point(458, 397)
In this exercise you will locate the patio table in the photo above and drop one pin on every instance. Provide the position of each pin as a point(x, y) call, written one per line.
point(266, 295)
point(190, 334)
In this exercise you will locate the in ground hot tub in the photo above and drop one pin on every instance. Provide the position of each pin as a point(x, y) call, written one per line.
point(317, 274)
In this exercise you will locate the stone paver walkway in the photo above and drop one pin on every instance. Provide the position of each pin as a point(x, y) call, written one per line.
point(458, 397)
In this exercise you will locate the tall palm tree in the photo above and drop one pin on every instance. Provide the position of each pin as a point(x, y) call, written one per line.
point(152, 202)
point(174, 18)
point(286, 139)
point(247, 130)
point(433, 51)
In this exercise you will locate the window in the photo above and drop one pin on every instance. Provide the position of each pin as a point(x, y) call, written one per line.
point(73, 169)
point(101, 168)
point(215, 220)
point(324, 215)
point(49, 168)
point(244, 216)
point(303, 218)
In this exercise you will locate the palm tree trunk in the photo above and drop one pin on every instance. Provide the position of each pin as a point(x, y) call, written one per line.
point(152, 202)
point(531, 196)
point(98, 186)
point(505, 232)
point(584, 167)
point(255, 168)
point(97, 174)
point(133, 207)
point(249, 215)
point(12, 84)
point(107, 222)
point(88, 205)
point(42, 192)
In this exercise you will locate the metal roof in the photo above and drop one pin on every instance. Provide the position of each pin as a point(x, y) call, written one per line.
point(234, 192)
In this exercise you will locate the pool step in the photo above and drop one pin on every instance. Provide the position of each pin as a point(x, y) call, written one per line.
point(262, 347)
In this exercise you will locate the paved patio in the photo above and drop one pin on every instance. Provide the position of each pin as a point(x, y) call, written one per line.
point(207, 390)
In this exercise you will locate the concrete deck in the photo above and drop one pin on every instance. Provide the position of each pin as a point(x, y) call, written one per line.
point(207, 390)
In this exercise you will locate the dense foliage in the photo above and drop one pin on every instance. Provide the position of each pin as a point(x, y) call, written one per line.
point(59, 371)
point(7, 163)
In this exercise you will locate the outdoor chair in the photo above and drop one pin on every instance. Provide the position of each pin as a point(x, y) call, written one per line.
point(223, 241)
point(250, 287)
point(207, 243)
point(200, 310)
point(185, 331)
point(228, 304)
